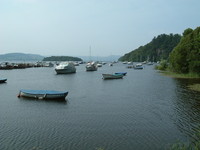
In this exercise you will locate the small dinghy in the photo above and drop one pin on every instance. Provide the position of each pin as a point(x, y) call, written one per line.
point(112, 76)
point(43, 94)
point(3, 80)
point(123, 73)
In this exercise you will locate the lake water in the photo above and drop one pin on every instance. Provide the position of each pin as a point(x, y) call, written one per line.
point(143, 111)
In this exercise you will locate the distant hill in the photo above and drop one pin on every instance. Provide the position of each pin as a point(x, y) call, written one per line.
point(20, 57)
point(62, 58)
point(159, 48)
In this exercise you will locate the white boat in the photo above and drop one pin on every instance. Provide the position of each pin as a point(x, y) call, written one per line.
point(125, 62)
point(43, 94)
point(91, 66)
point(99, 65)
point(76, 63)
point(65, 68)
point(130, 63)
point(112, 76)
point(150, 63)
point(111, 64)
point(138, 66)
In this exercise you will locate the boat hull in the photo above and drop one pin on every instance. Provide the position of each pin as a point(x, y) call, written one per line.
point(43, 94)
point(91, 68)
point(64, 71)
point(3, 80)
point(123, 73)
point(138, 68)
point(112, 76)
point(65, 68)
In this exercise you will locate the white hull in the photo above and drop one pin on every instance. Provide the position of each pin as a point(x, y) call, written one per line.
point(91, 67)
point(65, 68)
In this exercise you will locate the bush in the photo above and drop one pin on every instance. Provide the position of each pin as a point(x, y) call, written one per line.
point(162, 66)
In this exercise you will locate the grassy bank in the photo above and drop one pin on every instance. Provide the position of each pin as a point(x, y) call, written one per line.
point(195, 87)
point(177, 75)
point(182, 146)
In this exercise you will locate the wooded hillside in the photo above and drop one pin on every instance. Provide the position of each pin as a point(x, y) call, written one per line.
point(159, 48)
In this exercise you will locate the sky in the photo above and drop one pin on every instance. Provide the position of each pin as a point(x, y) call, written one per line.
point(109, 27)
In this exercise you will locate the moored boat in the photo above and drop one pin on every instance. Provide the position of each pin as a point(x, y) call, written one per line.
point(91, 66)
point(65, 68)
point(3, 80)
point(43, 94)
point(99, 65)
point(150, 63)
point(138, 66)
point(112, 76)
point(123, 73)
point(111, 64)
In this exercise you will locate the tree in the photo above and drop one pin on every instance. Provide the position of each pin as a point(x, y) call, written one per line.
point(185, 57)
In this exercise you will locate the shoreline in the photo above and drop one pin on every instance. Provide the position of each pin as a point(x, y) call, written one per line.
point(194, 87)
point(181, 76)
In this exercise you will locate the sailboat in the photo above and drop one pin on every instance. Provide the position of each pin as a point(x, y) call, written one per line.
point(91, 66)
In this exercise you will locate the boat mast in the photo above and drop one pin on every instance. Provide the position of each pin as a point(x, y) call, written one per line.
point(90, 54)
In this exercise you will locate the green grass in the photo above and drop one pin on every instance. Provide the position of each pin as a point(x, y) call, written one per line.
point(195, 87)
point(177, 75)
point(183, 146)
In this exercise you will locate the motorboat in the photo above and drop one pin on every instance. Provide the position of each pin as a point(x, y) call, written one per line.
point(138, 66)
point(43, 94)
point(112, 76)
point(125, 62)
point(91, 66)
point(99, 65)
point(65, 68)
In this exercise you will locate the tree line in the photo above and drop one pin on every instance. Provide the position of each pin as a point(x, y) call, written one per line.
point(185, 57)
point(62, 58)
point(159, 48)
point(180, 54)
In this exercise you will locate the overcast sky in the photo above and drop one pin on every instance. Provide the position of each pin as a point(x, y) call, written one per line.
point(110, 27)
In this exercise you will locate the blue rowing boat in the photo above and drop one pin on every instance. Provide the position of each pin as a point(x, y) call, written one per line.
point(123, 73)
point(43, 94)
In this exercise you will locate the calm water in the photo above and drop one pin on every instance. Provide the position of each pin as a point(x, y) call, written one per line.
point(142, 111)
